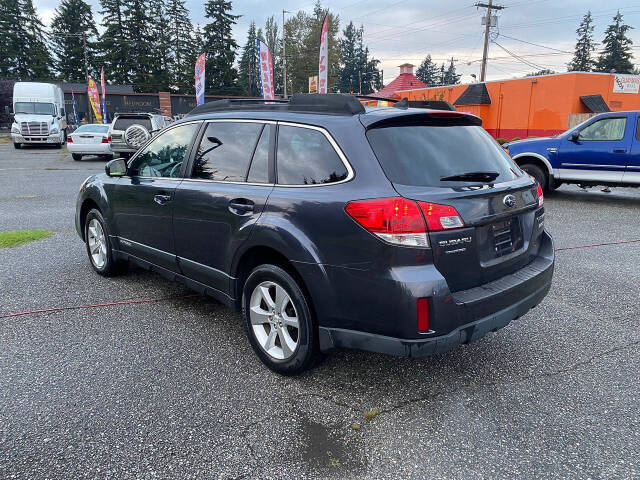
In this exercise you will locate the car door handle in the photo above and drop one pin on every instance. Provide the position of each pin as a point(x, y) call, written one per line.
point(241, 206)
point(619, 150)
point(161, 199)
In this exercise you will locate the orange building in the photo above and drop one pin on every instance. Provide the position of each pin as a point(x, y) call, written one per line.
point(537, 106)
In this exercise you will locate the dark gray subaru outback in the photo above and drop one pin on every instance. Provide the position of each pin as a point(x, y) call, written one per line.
point(398, 230)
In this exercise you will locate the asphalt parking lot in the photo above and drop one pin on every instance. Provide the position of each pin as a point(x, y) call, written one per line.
point(172, 389)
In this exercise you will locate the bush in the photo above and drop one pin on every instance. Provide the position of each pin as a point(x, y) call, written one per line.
point(501, 141)
point(515, 139)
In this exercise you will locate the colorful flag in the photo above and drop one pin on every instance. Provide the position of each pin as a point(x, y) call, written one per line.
point(266, 70)
point(104, 97)
point(94, 97)
point(324, 56)
point(73, 102)
point(199, 77)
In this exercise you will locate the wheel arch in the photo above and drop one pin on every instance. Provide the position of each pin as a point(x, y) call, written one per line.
point(536, 159)
point(87, 205)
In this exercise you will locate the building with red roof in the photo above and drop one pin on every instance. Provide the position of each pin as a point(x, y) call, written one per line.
point(405, 81)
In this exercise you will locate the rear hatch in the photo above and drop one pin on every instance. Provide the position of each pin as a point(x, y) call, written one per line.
point(451, 160)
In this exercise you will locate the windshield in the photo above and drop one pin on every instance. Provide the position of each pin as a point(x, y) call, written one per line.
point(425, 155)
point(35, 108)
point(93, 129)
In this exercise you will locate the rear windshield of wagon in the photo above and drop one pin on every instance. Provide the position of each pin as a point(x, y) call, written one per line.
point(421, 155)
point(123, 122)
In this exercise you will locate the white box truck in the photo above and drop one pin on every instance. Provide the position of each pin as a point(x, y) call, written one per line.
point(39, 114)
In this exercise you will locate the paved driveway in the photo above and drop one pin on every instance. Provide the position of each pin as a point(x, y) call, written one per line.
point(171, 389)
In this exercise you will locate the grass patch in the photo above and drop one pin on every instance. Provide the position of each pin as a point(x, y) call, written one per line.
point(371, 414)
point(5, 140)
point(20, 237)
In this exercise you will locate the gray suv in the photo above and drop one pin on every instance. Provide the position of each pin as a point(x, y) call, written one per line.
point(129, 131)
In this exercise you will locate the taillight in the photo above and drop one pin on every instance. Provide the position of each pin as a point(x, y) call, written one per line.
point(69, 139)
point(395, 220)
point(440, 217)
point(540, 196)
point(105, 140)
point(109, 139)
point(423, 314)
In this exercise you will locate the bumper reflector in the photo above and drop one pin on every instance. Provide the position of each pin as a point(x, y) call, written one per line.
point(423, 314)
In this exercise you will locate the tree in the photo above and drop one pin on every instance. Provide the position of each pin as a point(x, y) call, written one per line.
point(582, 60)
point(220, 47)
point(249, 70)
point(358, 72)
point(616, 54)
point(182, 44)
point(427, 72)
point(303, 45)
point(72, 20)
point(139, 35)
point(274, 42)
point(160, 46)
point(22, 39)
point(450, 77)
point(114, 43)
point(197, 47)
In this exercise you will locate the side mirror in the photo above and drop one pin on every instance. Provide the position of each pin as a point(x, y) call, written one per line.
point(574, 137)
point(116, 167)
point(7, 109)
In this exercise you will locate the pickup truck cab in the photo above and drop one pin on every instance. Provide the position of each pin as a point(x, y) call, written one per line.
point(604, 150)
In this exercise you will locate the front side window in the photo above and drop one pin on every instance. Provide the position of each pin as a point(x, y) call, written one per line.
point(305, 157)
point(164, 156)
point(225, 151)
point(605, 129)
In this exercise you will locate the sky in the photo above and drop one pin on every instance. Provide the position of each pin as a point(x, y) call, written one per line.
point(405, 31)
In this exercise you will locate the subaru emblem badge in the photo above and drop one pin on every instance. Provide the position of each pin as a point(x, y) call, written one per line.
point(509, 201)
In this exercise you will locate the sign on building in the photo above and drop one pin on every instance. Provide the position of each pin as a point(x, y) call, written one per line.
point(626, 83)
point(313, 84)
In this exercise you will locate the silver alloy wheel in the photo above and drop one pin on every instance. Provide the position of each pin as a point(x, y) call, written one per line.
point(97, 243)
point(274, 320)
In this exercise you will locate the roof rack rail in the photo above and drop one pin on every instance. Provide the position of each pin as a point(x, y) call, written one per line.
point(331, 103)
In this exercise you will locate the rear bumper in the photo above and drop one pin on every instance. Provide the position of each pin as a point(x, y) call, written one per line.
point(121, 148)
point(471, 313)
point(89, 148)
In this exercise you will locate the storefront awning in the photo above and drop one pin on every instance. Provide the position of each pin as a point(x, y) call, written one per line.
point(475, 94)
point(595, 103)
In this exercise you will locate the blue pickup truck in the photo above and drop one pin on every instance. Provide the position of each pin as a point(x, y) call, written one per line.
point(604, 150)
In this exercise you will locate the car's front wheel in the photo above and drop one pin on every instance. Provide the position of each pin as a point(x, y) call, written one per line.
point(99, 246)
point(279, 321)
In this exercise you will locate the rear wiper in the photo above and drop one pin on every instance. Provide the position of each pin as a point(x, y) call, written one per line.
point(472, 177)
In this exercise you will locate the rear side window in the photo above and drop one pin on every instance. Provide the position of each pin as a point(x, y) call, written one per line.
point(305, 157)
point(123, 122)
point(422, 155)
point(225, 151)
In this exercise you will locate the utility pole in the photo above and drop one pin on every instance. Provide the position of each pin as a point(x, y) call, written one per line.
point(86, 75)
point(284, 58)
point(359, 83)
point(489, 6)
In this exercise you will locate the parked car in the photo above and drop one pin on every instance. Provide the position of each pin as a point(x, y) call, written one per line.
point(39, 115)
point(91, 139)
point(403, 231)
point(129, 131)
point(604, 150)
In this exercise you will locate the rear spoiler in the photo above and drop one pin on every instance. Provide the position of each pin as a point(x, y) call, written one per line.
point(441, 118)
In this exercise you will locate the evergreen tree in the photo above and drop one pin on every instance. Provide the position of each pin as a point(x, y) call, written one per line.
point(13, 64)
point(274, 42)
point(616, 54)
point(182, 44)
point(427, 72)
point(72, 20)
point(442, 74)
point(249, 70)
point(582, 60)
point(450, 77)
point(358, 72)
point(197, 47)
point(220, 47)
point(114, 43)
point(160, 47)
point(139, 35)
point(28, 57)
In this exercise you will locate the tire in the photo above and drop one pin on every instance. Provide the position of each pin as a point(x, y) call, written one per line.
point(272, 334)
point(76, 156)
point(537, 173)
point(104, 264)
point(17, 146)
